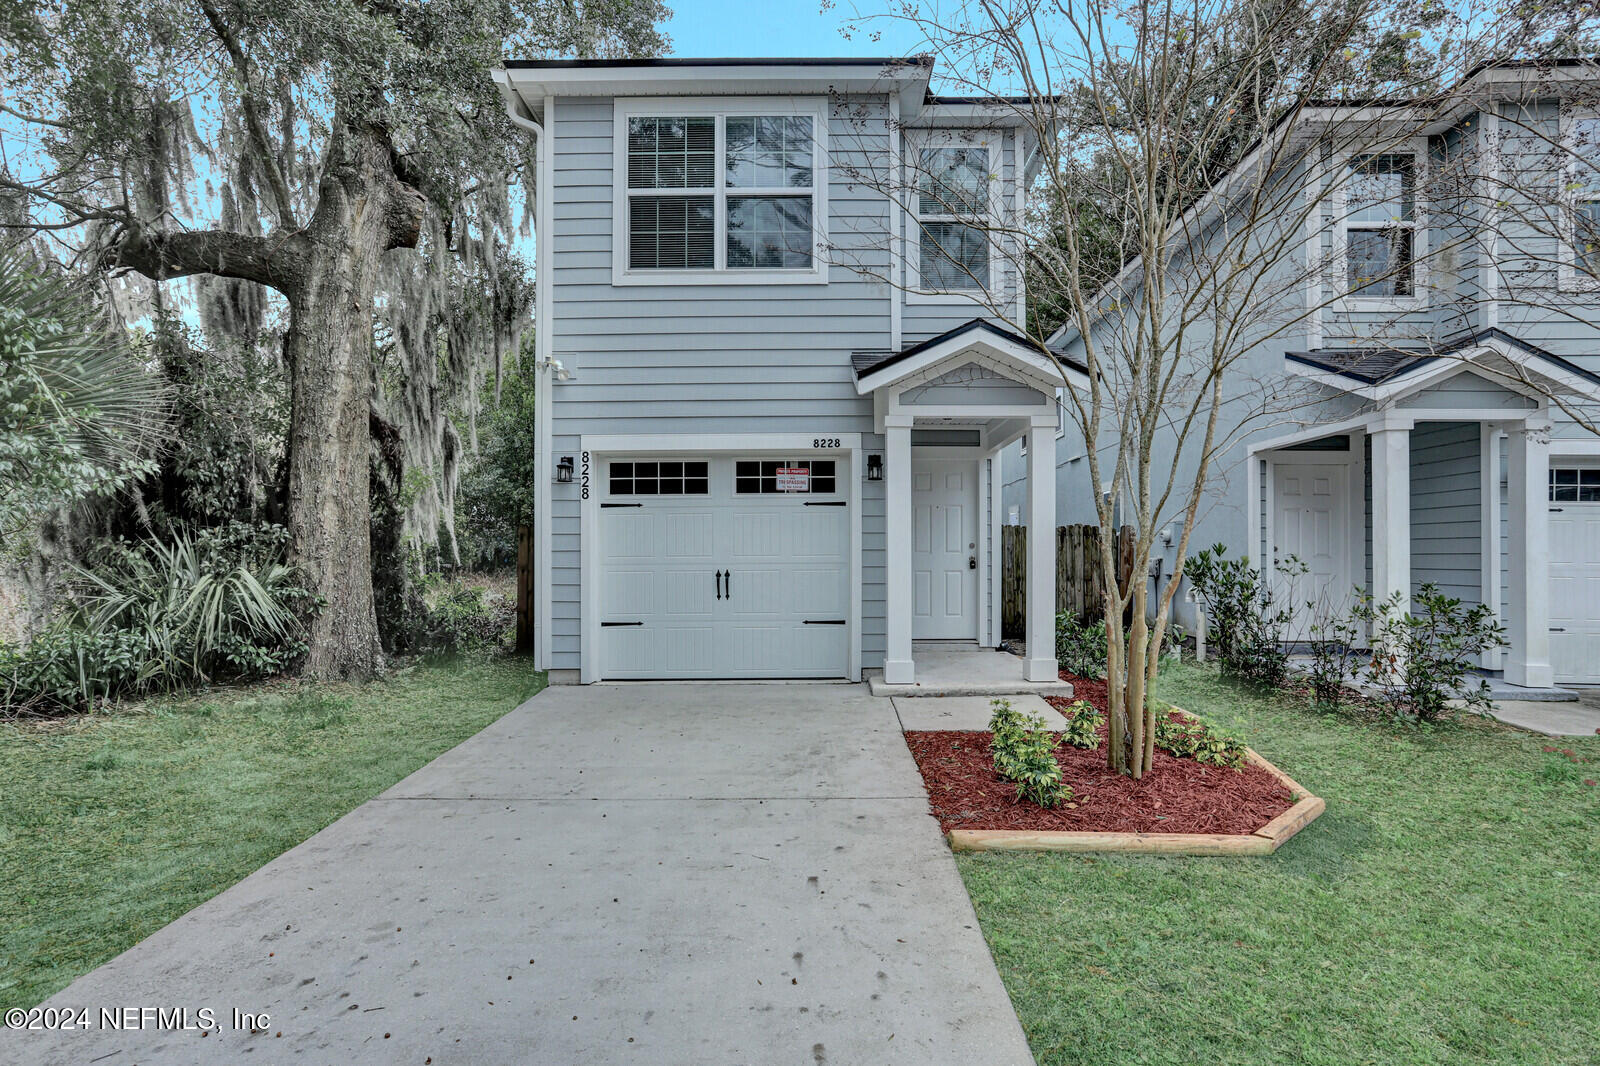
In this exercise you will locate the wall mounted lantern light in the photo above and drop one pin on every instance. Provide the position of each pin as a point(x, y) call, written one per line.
point(564, 470)
point(874, 467)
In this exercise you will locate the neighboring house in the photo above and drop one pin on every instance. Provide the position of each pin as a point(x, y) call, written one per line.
point(769, 439)
point(1433, 440)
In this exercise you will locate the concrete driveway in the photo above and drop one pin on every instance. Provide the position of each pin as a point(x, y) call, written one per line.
point(614, 874)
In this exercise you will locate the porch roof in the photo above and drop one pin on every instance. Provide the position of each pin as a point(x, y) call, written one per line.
point(870, 362)
point(1378, 365)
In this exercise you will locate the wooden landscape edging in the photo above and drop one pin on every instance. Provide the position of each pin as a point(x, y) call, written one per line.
point(1264, 841)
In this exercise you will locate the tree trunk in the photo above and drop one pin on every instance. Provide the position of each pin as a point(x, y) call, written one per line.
point(363, 211)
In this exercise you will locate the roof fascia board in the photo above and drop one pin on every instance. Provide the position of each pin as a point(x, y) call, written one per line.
point(991, 344)
point(909, 80)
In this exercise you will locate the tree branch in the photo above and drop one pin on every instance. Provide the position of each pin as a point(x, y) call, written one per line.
point(276, 261)
point(252, 116)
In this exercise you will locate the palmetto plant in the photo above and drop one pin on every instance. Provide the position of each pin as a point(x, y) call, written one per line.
point(79, 412)
point(197, 614)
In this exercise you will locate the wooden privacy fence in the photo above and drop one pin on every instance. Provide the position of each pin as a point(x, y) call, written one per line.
point(524, 588)
point(1079, 584)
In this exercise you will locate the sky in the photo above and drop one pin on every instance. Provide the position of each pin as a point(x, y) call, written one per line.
point(763, 28)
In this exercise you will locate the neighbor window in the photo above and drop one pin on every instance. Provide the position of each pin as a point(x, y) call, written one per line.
point(952, 194)
point(669, 477)
point(1380, 225)
point(760, 476)
point(722, 192)
point(1583, 146)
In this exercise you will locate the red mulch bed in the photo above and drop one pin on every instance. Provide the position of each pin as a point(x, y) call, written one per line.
point(1177, 796)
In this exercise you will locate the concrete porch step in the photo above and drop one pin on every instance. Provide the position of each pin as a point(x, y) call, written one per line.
point(958, 669)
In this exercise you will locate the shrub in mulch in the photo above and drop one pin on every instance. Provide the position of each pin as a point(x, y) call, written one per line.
point(1177, 796)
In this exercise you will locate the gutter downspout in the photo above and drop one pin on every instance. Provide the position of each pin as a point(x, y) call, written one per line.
point(544, 377)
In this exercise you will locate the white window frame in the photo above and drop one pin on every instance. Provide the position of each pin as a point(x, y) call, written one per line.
point(1568, 277)
point(1417, 149)
point(719, 108)
point(916, 140)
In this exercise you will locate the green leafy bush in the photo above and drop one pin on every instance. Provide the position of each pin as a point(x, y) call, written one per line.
point(458, 618)
point(159, 616)
point(1245, 619)
point(1194, 738)
point(1333, 655)
point(1024, 753)
point(1083, 724)
point(1081, 646)
point(1421, 661)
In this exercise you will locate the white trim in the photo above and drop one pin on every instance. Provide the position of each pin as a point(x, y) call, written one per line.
point(997, 540)
point(1574, 448)
point(1041, 663)
point(1568, 279)
point(1417, 148)
point(718, 108)
point(595, 448)
point(1490, 280)
point(916, 141)
point(1527, 660)
point(1314, 226)
point(975, 345)
point(899, 666)
point(1019, 219)
point(1489, 529)
point(980, 504)
point(896, 229)
point(544, 400)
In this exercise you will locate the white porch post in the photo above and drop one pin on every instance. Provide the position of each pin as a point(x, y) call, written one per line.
point(1391, 510)
point(1041, 620)
point(898, 668)
point(1528, 543)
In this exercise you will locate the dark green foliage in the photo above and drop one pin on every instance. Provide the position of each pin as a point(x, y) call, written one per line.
point(496, 493)
point(458, 617)
point(1242, 614)
point(1422, 660)
point(1081, 646)
point(1024, 752)
point(1194, 738)
point(1333, 656)
point(160, 616)
point(79, 414)
point(1083, 724)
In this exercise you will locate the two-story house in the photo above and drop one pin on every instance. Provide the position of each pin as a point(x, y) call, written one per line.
point(1444, 359)
point(774, 374)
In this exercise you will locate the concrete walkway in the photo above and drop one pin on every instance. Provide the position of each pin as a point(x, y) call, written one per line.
point(613, 874)
point(1579, 719)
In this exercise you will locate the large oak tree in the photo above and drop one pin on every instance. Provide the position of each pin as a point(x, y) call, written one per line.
point(289, 144)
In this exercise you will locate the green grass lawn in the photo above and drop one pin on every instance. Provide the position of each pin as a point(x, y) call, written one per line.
point(1445, 909)
point(113, 825)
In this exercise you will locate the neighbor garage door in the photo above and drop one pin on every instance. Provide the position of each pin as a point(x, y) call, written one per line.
point(1575, 574)
point(723, 567)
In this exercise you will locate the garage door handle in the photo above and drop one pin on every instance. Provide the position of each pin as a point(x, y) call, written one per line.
point(826, 503)
point(727, 584)
point(718, 579)
point(1557, 629)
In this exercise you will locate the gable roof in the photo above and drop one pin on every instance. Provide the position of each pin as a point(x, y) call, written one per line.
point(1381, 365)
point(873, 363)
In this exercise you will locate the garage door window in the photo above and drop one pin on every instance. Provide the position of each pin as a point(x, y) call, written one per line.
point(1575, 486)
point(664, 478)
point(760, 476)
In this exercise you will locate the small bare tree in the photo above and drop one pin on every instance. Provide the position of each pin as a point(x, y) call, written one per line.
point(1192, 168)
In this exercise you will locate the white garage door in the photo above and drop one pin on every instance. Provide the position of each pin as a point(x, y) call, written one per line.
point(1575, 574)
point(733, 567)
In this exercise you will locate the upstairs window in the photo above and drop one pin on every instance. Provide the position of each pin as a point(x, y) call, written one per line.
point(725, 190)
point(1380, 225)
point(952, 195)
point(1582, 142)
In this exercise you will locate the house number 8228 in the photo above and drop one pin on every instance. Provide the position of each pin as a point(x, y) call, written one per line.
point(585, 494)
point(825, 442)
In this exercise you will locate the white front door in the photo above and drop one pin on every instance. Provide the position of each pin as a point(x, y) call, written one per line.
point(944, 547)
point(722, 567)
point(1575, 575)
point(1309, 523)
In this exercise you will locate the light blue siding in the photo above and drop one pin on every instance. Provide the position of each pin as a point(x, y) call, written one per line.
point(1469, 391)
point(1446, 520)
point(973, 385)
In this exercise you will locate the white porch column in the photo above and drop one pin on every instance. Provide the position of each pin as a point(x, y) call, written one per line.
point(1528, 545)
point(1041, 619)
point(1391, 510)
point(898, 668)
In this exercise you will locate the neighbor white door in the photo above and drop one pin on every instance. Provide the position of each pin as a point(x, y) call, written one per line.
point(1575, 579)
point(944, 549)
point(1309, 522)
point(705, 575)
